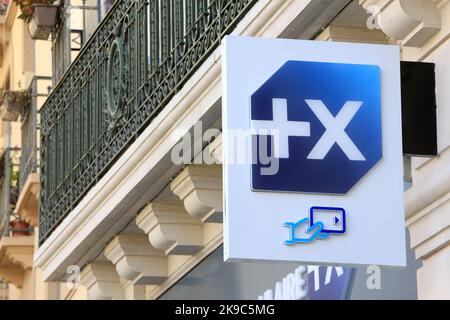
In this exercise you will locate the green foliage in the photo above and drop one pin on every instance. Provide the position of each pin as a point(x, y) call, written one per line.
point(15, 177)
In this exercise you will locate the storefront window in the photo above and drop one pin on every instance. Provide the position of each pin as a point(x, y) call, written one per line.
point(215, 279)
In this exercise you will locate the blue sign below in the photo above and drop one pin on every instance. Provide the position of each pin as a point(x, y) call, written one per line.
point(331, 283)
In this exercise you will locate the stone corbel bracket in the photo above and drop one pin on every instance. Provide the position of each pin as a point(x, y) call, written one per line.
point(170, 228)
point(136, 260)
point(102, 281)
point(16, 257)
point(21, 256)
point(411, 22)
point(200, 188)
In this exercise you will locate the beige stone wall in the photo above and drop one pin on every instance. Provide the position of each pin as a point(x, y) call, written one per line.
point(23, 58)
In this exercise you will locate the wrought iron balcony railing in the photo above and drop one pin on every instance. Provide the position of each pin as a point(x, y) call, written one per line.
point(29, 161)
point(141, 54)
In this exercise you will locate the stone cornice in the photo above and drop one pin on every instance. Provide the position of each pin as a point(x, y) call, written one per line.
point(410, 22)
point(352, 34)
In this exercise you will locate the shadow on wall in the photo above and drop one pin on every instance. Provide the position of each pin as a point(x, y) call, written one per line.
point(395, 283)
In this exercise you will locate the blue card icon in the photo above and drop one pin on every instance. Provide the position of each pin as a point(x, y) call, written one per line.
point(333, 219)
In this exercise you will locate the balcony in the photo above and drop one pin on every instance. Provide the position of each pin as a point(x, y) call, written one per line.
point(16, 239)
point(27, 203)
point(139, 57)
point(11, 223)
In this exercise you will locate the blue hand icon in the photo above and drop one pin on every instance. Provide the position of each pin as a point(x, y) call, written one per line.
point(311, 233)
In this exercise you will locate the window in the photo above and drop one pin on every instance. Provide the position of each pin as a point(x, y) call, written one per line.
point(79, 19)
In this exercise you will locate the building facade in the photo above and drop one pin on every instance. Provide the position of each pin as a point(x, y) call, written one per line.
point(25, 80)
point(117, 216)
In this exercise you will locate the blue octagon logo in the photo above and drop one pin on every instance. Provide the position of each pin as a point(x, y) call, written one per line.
point(321, 123)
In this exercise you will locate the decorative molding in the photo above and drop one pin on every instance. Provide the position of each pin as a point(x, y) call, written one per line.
point(102, 281)
point(411, 22)
point(28, 203)
point(427, 204)
point(351, 34)
point(430, 184)
point(170, 228)
point(430, 228)
point(116, 80)
point(310, 17)
point(16, 257)
point(136, 260)
point(200, 188)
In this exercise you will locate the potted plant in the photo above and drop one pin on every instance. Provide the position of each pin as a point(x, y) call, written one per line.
point(13, 102)
point(41, 16)
point(19, 227)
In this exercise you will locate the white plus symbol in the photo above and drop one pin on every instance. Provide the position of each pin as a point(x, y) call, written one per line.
point(281, 128)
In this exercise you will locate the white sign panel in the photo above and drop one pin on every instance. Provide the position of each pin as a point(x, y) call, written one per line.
point(312, 141)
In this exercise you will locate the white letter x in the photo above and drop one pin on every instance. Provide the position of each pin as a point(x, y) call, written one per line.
point(335, 130)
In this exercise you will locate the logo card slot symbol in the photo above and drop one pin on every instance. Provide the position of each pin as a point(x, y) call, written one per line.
point(332, 218)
